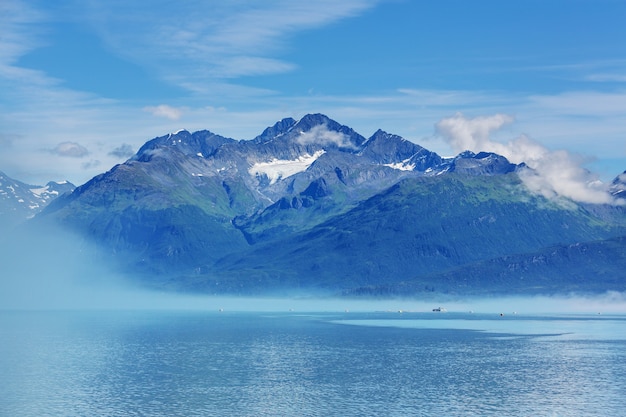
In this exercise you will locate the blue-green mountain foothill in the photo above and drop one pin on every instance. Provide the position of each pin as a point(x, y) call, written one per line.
point(312, 207)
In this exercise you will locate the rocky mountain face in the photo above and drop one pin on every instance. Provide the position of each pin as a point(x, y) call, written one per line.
point(618, 186)
point(311, 205)
point(20, 201)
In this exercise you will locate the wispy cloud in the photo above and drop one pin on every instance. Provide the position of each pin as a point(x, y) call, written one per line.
point(70, 149)
point(206, 41)
point(163, 110)
point(7, 140)
point(21, 31)
point(552, 173)
point(607, 77)
point(18, 31)
point(123, 151)
point(588, 103)
point(91, 164)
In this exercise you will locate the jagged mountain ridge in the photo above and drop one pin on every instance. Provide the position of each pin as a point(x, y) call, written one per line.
point(20, 201)
point(618, 186)
point(296, 207)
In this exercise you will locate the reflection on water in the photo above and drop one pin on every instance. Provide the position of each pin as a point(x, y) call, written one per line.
point(187, 364)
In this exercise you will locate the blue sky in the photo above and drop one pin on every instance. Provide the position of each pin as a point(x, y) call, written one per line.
point(84, 83)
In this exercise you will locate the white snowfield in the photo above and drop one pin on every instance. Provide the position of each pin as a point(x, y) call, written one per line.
point(43, 190)
point(280, 168)
point(402, 166)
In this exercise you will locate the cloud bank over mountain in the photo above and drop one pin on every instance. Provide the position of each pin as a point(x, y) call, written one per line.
point(552, 173)
point(322, 135)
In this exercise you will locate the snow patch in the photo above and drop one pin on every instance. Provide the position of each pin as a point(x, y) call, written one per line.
point(39, 191)
point(280, 168)
point(402, 166)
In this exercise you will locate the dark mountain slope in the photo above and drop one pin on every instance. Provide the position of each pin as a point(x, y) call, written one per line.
point(153, 215)
point(415, 229)
point(580, 268)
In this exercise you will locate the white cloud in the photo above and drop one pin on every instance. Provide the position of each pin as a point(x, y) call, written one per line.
point(552, 173)
point(322, 136)
point(70, 149)
point(163, 110)
point(473, 134)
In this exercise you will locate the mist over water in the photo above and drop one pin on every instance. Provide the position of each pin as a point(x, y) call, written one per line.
point(101, 345)
point(49, 268)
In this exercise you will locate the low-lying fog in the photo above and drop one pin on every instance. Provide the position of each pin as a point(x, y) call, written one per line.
point(41, 271)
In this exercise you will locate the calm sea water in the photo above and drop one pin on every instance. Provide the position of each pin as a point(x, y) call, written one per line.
point(289, 364)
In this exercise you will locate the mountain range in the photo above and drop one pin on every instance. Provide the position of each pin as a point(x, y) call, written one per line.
point(20, 201)
point(312, 207)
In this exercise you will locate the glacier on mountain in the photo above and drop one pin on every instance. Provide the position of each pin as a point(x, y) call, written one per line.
point(280, 169)
point(402, 166)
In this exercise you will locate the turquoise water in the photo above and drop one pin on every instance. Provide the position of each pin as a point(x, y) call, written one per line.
point(145, 363)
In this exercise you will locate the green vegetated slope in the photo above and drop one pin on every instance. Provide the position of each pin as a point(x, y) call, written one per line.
point(152, 224)
point(415, 231)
